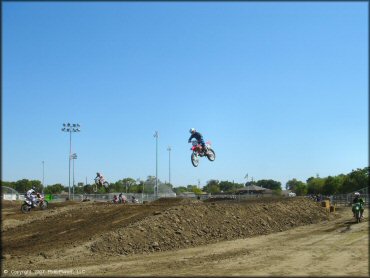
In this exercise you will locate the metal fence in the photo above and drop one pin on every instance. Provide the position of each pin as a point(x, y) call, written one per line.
point(107, 197)
point(338, 199)
point(346, 199)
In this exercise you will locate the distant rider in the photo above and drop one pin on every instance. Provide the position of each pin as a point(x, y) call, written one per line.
point(31, 195)
point(133, 199)
point(195, 134)
point(358, 199)
point(122, 198)
point(115, 199)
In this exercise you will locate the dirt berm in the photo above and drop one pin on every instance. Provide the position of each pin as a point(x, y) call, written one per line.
point(186, 223)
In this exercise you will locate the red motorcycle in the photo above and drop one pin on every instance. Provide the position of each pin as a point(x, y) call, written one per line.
point(198, 151)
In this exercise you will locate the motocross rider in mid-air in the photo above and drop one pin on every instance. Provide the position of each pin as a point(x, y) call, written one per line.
point(100, 178)
point(195, 134)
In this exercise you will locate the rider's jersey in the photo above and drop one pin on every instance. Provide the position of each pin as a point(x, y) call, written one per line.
point(357, 200)
point(100, 178)
point(30, 192)
point(197, 136)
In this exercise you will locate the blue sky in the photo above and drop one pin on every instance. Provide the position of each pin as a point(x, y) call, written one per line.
point(280, 89)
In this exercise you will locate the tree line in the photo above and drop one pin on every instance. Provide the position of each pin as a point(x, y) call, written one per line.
point(331, 185)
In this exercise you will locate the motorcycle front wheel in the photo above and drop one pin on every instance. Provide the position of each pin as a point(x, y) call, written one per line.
point(25, 208)
point(95, 188)
point(44, 205)
point(211, 155)
point(358, 216)
point(194, 160)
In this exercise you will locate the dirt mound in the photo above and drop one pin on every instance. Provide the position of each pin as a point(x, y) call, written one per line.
point(10, 204)
point(186, 225)
point(174, 201)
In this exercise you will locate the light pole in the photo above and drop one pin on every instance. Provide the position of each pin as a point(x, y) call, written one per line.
point(127, 183)
point(70, 128)
point(43, 185)
point(156, 163)
point(74, 156)
point(169, 164)
point(142, 192)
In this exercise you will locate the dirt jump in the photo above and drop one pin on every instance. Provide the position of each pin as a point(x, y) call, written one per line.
point(184, 237)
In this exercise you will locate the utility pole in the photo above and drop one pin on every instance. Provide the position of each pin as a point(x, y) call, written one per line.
point(169, 164)
point(74, 156)
point(156, 163)
point(43, 184)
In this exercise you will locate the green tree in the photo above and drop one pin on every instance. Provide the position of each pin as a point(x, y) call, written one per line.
point(117, 186)
point(149, 184)
point(180, 189)
point(355, 180)
point(301, 189)
point(331, 185)
point(291, 184)
point(8, 184)
point(212, 187)
point(229, 187)
point(250, 183)
point(296, 186)
point(24, 185)
point(315, 185)
point(194, 189)
point(88, 189)
point(54, 189)
point(270, 184)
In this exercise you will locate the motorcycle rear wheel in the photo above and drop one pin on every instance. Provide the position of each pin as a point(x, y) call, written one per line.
point(25, 208)
point(211, 155)
point(194, 160)
point(106, 186)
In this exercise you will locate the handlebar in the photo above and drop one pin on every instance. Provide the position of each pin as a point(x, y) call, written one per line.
point(193, 142)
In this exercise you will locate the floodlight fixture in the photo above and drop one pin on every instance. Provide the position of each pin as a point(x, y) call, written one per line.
point(70, 128)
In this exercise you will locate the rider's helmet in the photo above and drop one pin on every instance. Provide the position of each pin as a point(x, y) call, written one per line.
point(192, 130)
point(98, 174)
point(33, 187)
point(357, 194)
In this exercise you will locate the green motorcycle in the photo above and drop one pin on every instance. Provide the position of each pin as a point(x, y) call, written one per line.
point(358, 209)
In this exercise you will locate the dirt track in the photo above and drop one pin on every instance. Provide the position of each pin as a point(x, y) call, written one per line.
point(182, 237)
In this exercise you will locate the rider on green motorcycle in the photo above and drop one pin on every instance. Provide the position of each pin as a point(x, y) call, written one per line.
point(358, 199)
